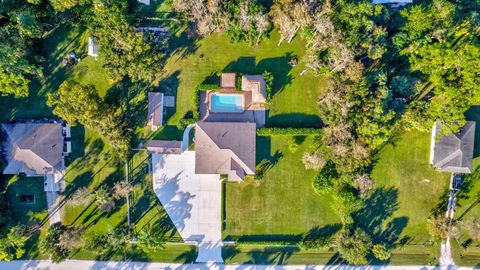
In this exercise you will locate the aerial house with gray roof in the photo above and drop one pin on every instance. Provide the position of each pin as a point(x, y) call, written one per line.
point(454, 152)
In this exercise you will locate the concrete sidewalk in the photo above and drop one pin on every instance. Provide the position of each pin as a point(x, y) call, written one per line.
point(121, 265)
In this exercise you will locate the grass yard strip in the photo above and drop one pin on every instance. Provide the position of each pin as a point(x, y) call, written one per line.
point(170, 254)
point(275, 255)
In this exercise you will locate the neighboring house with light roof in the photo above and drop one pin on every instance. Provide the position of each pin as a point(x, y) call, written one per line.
point(36, 149)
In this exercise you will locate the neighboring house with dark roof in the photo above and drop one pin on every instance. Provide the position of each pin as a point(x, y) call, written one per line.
point(225, 148)
point(35, 149)
point(453, 153)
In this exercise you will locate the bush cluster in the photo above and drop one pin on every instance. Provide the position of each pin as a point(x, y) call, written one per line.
point(272, 131)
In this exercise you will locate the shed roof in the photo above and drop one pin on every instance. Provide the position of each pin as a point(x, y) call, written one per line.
point(33, 148)
point(225, 148)
point(454, 153)
point(227, 80)
point(164, 147)
point(155, 109)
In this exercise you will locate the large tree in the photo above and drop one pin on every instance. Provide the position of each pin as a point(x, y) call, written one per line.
point(125, 51)
point(77, 103)
point(441, 41)
point(354, 246)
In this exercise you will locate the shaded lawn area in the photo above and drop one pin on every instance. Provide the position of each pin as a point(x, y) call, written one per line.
point(28, 203)
point(283, 203)
point(295, 97)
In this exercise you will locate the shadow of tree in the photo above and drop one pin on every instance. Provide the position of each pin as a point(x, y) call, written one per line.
point(295, 120)
point(271, 255)
point(378, 208)
point(278, 66)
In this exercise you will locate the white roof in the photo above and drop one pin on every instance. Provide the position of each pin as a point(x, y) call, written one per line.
point(256, 85)
point(92, 47)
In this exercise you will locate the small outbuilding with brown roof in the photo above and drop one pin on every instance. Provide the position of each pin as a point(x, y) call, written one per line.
point(227, 80)
point(225, 148)
point(155, 110)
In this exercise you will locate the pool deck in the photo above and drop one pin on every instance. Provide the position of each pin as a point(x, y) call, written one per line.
point(251, 114)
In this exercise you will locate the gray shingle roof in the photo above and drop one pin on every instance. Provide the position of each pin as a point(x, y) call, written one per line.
point(225, 148)
point(32, 148)
point(454, 153)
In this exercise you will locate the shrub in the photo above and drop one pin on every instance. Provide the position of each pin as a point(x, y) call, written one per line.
point(150, 238)
point(104, 199)
point(61, 241)
point(81, 196)
point(354, 246)
point(323, 182)
point(116, 240)
point(184, 122)
point(313, 160)
point(381, 252)
point(121, 189)
point(272, 131)
point(208, 87)
point(268, 77)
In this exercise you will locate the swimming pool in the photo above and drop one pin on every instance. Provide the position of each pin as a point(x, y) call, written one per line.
point(230, 103)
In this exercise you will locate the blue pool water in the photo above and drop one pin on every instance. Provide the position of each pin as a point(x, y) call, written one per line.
point(226, 103)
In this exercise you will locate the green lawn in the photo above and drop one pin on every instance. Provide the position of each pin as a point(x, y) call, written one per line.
point(284, 202)
point(29, 206)
point(408, 189)
point(295, 97)
point(26, 209)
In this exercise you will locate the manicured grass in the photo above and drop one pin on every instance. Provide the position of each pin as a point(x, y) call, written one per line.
point(26, 211)
point(295, 97)
point(408, 190)
point(283, 203)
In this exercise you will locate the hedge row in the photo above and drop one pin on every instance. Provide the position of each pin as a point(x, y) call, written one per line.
point(208, 87)
point(287, 131)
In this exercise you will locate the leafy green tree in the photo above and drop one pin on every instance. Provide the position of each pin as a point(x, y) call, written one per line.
point(115, 241)
point(125, 52)
point(15, 71)
point(28, 24)
point(354, 246)
point(77, 103)
point(12, 246)
point(444, 46)
point(51, 243)
point(381, 252)
point(104, 199)
point(150, 238)
point(62, 5)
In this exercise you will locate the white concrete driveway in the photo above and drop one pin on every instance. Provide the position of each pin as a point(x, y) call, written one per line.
point(192, 201)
